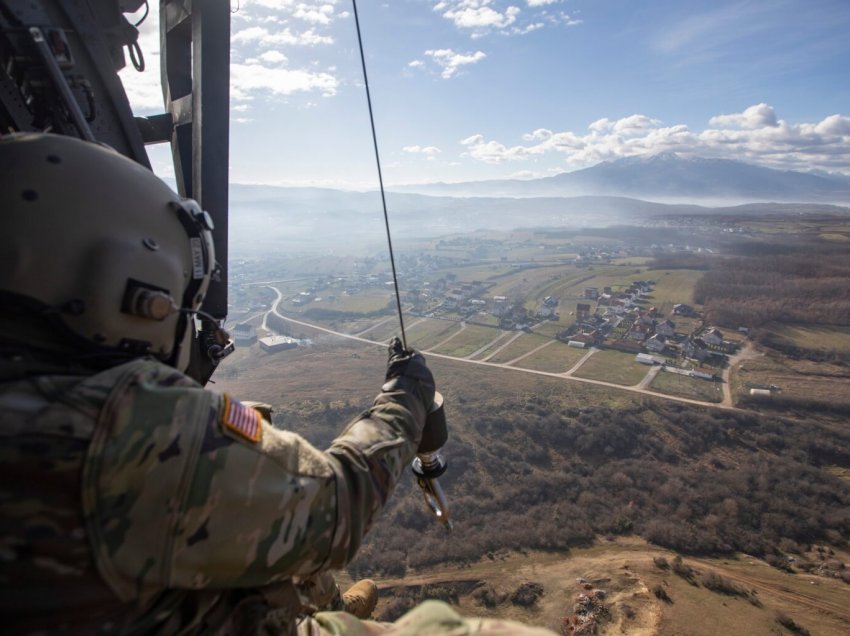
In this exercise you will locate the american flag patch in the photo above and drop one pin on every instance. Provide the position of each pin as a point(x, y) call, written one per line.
point(241, 419)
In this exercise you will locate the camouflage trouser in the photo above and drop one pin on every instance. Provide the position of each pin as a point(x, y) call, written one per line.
point(431, 618)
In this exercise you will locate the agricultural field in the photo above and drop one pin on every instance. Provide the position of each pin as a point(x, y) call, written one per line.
point(467, 341)
point(469, 273)
point(687, 387)
point(671, 287)
point(556, 358)
point(363, 302)
point(522, 345)
point(613, 366)
point(532, 281)
point(801, 379)
point(500, 341)
point(815, 337)
point(550, 328)
point(431, 332)
point(386, 327)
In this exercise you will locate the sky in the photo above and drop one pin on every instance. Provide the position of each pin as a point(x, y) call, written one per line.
point(467, 90)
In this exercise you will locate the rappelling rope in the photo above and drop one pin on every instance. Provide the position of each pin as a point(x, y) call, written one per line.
point(380, 175)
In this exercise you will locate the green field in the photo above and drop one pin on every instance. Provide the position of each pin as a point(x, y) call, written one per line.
point(613, 366)
point(520, 346)
point(684, 386)
point(467, 341)
point(556, 358)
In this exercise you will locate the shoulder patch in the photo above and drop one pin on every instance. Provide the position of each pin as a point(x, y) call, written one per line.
point(242, 420)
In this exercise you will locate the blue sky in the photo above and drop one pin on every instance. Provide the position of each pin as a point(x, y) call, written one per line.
point(487, 89)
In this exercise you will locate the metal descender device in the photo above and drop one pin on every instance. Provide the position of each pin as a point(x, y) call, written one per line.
point(429, 464)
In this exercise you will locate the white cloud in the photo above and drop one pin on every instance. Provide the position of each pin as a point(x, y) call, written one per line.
point(428, 151)
point(276, 5)
point(264, 37)
point(472, 14)
point(450, 61)
point(248, 79)
point(273, 57)
point(481, 17)
point(755, 135)
point(758, 116)
point(834, 125)
point(416, 64)
point(537, 135)
point(321, 14)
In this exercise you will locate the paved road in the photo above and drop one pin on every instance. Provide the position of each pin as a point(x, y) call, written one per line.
point(560, 376)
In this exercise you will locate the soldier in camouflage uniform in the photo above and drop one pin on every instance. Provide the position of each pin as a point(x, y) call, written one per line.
point(132, 500)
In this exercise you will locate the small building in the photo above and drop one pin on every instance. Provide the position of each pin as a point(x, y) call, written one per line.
point(766, 392)
point(645, 358)
point(666, 328)
point(704, 373)
point(591, 293)
point(656, 343)
point(696, 349)
point(273, 344)
point(244, 334)
point(575, 344)
point(713, 336)
point(500, 304)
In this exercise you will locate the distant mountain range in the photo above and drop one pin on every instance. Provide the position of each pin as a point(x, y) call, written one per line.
point(663, 177)
point(265, 219)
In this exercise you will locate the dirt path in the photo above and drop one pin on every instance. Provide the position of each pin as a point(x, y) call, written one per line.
point(649, 377)
point(747, 352)
point(580, 362)
point(839, 611)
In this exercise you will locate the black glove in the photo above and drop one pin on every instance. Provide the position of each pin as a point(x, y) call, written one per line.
point(409, 369)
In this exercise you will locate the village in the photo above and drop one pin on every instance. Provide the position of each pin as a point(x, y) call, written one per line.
point(620, 316)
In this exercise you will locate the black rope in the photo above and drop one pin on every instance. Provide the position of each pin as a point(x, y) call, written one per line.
point(380, 176)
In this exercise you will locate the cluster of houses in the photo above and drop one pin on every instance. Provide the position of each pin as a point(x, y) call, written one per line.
point(620, 322)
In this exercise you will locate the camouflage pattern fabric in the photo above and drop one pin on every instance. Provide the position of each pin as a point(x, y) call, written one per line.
point(431, 618)
point(129, 503)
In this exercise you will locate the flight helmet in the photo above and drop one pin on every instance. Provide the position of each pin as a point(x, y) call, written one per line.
point(102, 247)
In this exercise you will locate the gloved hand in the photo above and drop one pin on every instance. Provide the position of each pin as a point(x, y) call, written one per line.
point(407, 369)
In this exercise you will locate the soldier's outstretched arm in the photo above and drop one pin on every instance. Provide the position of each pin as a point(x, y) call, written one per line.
point(184, 488)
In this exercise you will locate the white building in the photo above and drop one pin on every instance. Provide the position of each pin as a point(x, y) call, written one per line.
point(273, 344)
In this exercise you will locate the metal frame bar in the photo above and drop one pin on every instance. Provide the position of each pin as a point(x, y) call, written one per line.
point(195, 55)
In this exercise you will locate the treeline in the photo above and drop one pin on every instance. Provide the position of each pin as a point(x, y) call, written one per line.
point(804, 287)
point(530, 476)
point(683, 260)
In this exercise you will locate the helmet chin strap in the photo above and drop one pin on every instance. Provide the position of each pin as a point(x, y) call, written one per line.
point(214, 340)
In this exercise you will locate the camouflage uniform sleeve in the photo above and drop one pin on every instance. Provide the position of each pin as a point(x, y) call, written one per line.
point(179, 492)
